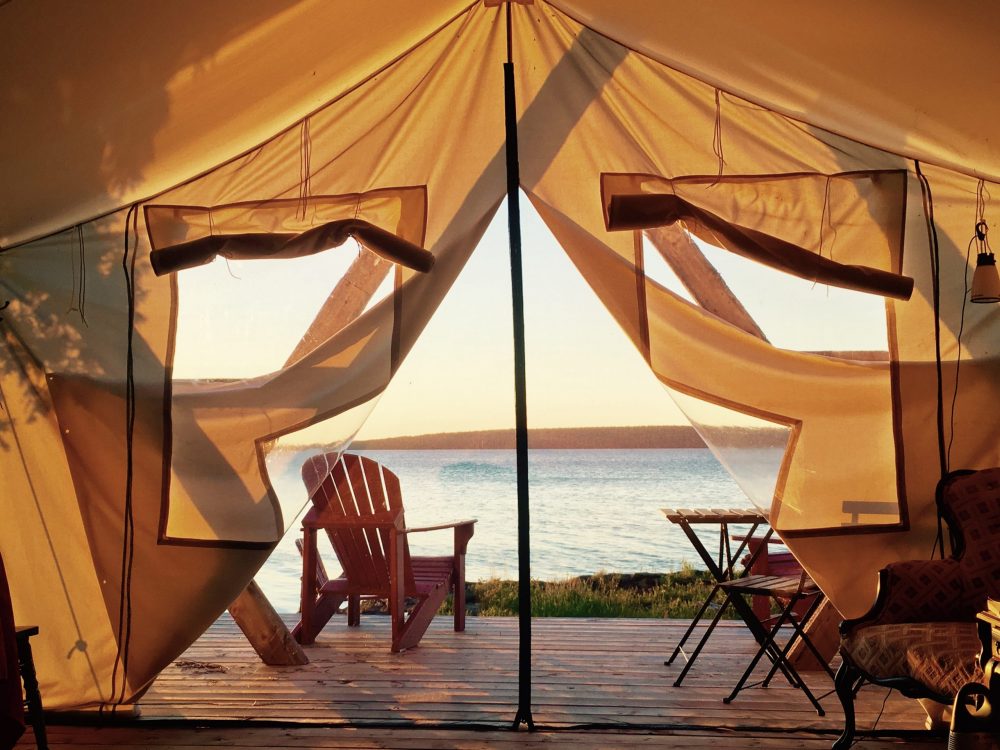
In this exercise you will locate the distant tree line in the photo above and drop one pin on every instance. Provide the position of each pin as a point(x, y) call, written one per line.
point(667, 436)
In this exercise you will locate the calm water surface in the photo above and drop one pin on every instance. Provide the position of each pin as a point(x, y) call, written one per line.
point(591, 510)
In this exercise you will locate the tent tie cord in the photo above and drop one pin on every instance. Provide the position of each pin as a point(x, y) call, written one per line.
point(305, 167)
point(827, 215)
point(278, 245)
point(717, 135)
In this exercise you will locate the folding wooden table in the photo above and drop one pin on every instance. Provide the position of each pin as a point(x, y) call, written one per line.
point(722, 566)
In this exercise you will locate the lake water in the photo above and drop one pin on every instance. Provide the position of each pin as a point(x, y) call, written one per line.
point(591, 510)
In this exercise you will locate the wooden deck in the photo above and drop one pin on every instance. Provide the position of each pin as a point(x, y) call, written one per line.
point(597, 683)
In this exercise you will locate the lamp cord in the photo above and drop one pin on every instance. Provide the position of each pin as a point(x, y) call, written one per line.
point(932, 238)
point(980, 239)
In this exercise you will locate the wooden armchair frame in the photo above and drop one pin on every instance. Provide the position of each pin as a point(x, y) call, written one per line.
point(943, 597)
point(358, 503)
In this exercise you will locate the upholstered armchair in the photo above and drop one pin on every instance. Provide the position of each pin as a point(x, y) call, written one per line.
point(920, 635)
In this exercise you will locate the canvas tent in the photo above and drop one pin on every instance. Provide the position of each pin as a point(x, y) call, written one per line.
point(136, 504)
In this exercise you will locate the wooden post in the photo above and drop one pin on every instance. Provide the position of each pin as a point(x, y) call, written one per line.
point(265, 630)
point(346, 302)
point(523, 715)
point(700, 278)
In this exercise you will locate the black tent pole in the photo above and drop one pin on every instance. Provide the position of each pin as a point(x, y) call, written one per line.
point(523, 715)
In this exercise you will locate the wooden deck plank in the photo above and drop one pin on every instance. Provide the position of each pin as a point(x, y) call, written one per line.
point(586, 672)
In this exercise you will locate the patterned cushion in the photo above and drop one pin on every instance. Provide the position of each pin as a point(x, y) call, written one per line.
point(974, 501)
point(925, 591)
point(941, 655)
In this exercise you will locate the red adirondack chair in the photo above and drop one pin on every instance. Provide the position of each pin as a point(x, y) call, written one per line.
point(359, 504)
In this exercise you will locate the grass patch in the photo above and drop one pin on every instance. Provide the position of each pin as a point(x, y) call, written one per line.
point(677, 595)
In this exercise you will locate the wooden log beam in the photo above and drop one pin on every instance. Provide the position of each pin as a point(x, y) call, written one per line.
point(346, 302)
point(265, 630)
point(700, 278)
point(251, 610)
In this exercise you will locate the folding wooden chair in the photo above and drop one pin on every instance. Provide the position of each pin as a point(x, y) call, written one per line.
point(722, 568)
point(788, 592)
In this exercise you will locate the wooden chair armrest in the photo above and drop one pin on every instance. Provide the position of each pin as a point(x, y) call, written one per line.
point(915, 591)
point(438, 527)
point(463, 533)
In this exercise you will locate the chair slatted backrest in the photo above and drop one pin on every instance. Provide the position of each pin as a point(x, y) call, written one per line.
point(356, 487)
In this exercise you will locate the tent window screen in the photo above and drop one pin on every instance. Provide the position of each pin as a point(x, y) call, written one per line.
point(753, 448)
point(243, 318)
point(776, 371)
point(265, 342)
point(789, 312)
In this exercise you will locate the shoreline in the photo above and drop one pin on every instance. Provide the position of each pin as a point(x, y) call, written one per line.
point(677, 594)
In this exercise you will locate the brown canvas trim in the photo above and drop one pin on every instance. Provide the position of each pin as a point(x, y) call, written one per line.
point(726, 403)
point(395, 353)
point(211, 543)
point(648, 210)
point(413, 213)
point(829, 531)
point(168, 416)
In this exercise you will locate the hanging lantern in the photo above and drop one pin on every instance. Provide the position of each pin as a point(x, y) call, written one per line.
point(985, 281)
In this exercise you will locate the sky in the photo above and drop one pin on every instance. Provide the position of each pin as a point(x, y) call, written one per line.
point(581, 368)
